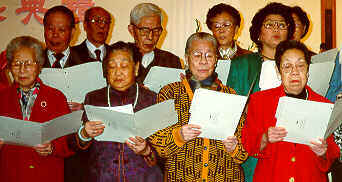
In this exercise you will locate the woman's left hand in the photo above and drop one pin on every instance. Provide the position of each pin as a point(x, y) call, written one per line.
point(139, 146)
point(230, 143)
point(44, 149)
point(74, 106)
point(319, 148)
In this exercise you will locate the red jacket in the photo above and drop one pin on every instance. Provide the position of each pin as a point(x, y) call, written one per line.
point(282, 161)
point(18, 163)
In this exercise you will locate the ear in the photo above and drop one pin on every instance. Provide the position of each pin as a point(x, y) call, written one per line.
point(278, 74)
point(186, 60)
point(85, 26)
point(136, 69)
point(131, 30)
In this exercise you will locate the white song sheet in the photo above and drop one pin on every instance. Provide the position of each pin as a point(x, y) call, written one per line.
point(320, 71)
point(122, 124)
point(306, 121)
point(28, 133)
point(222, 70)
point(76, 81)
point(217, 113)
point(159, 76)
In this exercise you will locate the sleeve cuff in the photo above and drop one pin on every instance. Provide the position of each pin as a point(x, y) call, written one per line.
point(178, 139)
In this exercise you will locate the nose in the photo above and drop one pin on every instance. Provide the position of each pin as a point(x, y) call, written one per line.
point(203, 60)
point(22, 68)
point(150, 35)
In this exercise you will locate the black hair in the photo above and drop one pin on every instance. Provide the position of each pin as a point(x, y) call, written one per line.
point(260, 16)
point(291, 44)
point(223, 8)
point(303, 18)
point(120, 45)
point(61, 9)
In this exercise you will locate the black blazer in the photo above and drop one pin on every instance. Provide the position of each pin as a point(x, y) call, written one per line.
point(84, 53)
point(73, 60)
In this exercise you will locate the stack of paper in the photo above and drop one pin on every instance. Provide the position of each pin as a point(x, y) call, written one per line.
point(307, 121)
point(76, 81)
point(28, 133)
point(217, 113)
point(121, 123)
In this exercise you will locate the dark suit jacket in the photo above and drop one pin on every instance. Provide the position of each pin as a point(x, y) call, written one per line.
point(161, 58)
point(73, 60)
point(84, 53)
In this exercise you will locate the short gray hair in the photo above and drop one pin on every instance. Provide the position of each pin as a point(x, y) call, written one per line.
point(27, 42)
point(142, 10)
point(200, 36)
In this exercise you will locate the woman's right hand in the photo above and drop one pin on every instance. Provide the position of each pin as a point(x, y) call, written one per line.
point(190, 131)
point(276, 134)
point(93, 129)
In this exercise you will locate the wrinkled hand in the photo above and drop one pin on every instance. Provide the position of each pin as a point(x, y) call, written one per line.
point(276, 134)
point(74, 106)
point(182, 76)
point(230, 143)
point(93, 129)
point(44, 149)
point(190, 131)
point(319, 148)
point(1, 143)
point(139, 146)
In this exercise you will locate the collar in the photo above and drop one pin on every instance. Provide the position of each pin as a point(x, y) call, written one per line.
point(131, 91)
point(229, 52)
point(206, 83)
point(306, 89)
point(91, 47)
point(52, 58)
point(33, 91)
point(147, 59)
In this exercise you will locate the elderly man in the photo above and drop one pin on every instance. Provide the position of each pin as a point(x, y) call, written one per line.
point(145, 27)
point(96, 24)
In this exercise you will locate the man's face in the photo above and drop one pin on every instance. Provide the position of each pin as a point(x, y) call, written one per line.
point(97, 26)
point(146, 34)
point(57, 32)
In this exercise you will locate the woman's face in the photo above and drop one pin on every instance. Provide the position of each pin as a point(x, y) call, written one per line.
point(299, 31)
point(201, 59)
point(24, 68)
point(121, 70)
point(293, 71)
point(273, 31)
point(224, 29)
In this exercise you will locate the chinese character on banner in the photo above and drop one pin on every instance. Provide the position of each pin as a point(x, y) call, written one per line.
point(2, 9)
point(33, 7)
point(78, 7)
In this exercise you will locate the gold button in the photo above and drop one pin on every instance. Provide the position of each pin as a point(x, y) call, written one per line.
point(291, 179)
point(31, 166)
point(293, 159)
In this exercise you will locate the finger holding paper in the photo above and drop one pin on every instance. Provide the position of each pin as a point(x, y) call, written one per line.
point(139, 145)
point(93, 128)
point(190, 131)
point(230, 143)
point(276, 134)
point(75, 106)
point(44, 149)
point(319, 148)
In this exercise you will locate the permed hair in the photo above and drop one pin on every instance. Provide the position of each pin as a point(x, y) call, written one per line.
point(260, 16)
point(303, 17)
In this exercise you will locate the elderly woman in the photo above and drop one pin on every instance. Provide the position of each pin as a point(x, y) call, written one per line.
point(29, 99)
point(270, 25)
point(188, 157)
point(279, 160)
point(113, 161)
point(224, 22)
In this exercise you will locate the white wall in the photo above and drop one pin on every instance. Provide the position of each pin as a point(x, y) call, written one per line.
point(181, 15)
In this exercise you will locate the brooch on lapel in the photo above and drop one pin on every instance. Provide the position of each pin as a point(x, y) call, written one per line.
point(43, 104)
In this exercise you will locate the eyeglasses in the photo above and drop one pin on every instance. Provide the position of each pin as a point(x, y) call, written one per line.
point(224, 26)
point(273, 24)
point(144, 31)
point(287, 68)
point(197, 55)
point(28, 64)
point(99, 20)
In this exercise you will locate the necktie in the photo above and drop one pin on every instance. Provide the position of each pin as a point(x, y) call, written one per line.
point(98, 54)
point(57, 63)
